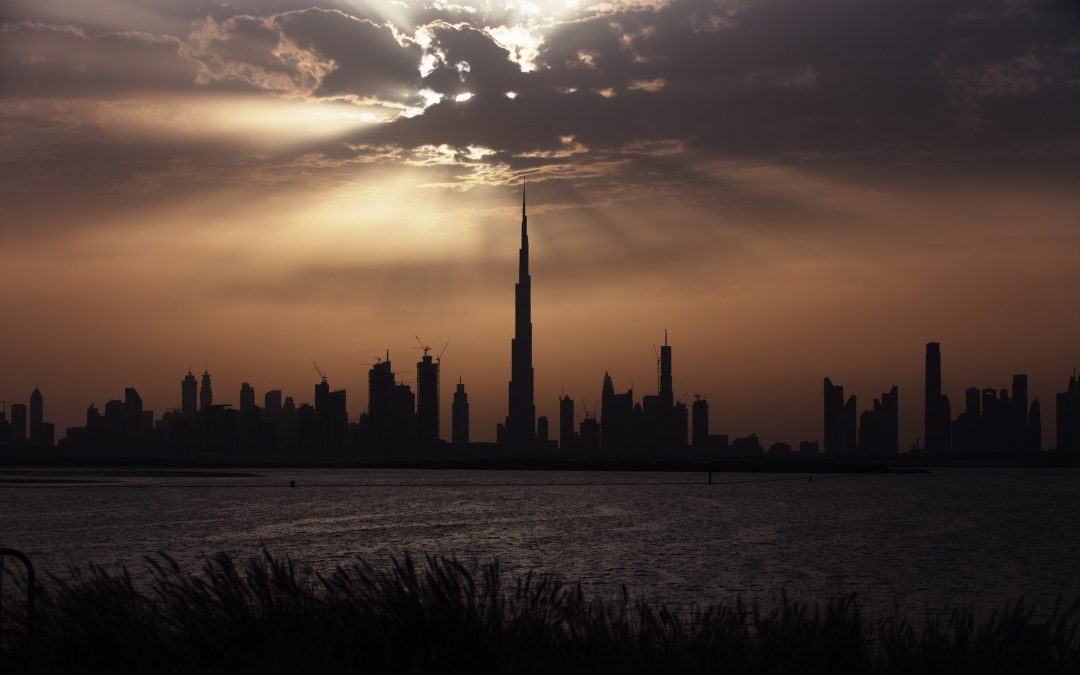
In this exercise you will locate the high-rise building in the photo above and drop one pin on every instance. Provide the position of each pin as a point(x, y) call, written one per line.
point(188, 389)
point(700, 422)
point(589, 434)
point(37, 409)
point(1068, 417)
point(427, 400)
point(840, 421)
point(380, 399)
point(272, 405)
point(879, 428)
point(459, 416)
point(667, 396)
point(206, 393)
point(521, 420)
point(542, 429)
point(133, 414)
point(566, 422)
point(18, 421)
point(338, 431)
point(936, 421)
point(247, 397)
point(616, 418)
point(1018, 415)
point(323, 417)
point(1034, 431)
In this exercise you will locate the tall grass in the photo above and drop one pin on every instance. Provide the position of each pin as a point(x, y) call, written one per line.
point(267, 616)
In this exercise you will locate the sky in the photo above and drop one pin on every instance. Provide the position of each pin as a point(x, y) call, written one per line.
point(793, 190)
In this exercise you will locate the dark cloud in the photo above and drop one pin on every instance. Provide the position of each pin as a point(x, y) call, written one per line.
point(778, 78)
point(46, 61)
point(368, 61)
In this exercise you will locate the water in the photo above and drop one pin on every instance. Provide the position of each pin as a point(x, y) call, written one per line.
point(919, 543)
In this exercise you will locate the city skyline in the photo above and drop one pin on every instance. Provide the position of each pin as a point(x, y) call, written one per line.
point(403, 418)
point(792, 192)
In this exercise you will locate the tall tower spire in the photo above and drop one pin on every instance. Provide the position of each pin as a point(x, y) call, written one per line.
point(521, 420)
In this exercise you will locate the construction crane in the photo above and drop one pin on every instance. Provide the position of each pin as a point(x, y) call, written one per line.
point(422, 345)
point(438, 359)
point(319, 371)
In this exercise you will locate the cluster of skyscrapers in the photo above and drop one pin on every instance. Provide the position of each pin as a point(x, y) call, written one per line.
point(994, 423)
point(401, 424)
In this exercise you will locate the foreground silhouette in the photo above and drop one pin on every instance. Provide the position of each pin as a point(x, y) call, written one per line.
point(267, 615)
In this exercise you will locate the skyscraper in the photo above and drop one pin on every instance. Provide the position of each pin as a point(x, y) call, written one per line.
point(521, 420)
point(700, 422)
point(18, 421)
point(459, 416)
point(133, 413)
point(427, 400)
point(566, 422)
point(206, 393)
point(840, 421)
point(1068, 417)
point(667, 396)
point(37, 409)
point(935, 418)
point(187, 395)
point(247, 397)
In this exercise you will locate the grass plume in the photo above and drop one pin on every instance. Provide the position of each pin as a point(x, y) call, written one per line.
point(439, 615)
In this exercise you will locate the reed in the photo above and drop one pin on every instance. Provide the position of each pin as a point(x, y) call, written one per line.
point(437, 614)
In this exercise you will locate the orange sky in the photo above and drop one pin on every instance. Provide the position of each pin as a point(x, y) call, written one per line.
point(257, 186)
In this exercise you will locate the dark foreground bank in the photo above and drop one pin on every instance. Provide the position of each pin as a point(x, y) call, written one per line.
point(269, 616)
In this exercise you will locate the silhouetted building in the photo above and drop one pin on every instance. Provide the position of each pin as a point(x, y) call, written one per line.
point(427, 400)
point(679, 427)
point(41, 432)
point(380, 404)
point(666, 393)
point(323, 417)
point(206, 393)
point(37, 408)
point(521, 420)
point(589, 434)
point(402, 416)
point(936, 411)
point(459, 416)
point(616, 419)
point(780, 450)
point(247, 397)
point(840, 421)
point(700, 421)
point(18, 422)
point(879, 428)
point(808, 450)
point(188, 389)
point(566, 423)
point(337, 436)
point(1068, 417)
point(749, 446)
point(542, 429)
point(1018, 415)
point(1034, 430)
point(133, 416)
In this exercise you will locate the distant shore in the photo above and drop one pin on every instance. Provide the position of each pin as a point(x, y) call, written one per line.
point(152, 466)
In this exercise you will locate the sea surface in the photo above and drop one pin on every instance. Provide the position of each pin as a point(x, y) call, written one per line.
point(910, 543)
